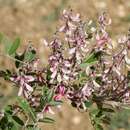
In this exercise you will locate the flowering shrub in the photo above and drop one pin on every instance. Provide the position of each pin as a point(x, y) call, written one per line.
point(85, 66)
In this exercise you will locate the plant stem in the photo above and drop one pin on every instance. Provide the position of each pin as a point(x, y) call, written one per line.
point(14, 59)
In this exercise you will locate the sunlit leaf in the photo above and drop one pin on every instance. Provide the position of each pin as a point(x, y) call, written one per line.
point(18, 120)
point(14, 46)
point(91, 59)
point(47, 120)
point(30, 55)
point(26, 107)
point(55, 103)
point(88, 103)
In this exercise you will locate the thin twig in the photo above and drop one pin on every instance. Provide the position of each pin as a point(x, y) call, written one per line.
point(14, 59)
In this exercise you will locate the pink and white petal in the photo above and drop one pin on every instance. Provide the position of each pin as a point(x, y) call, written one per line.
point(20, 92)
point(66, 71)
point(62, 29)
point(54, 74)
point(45, 42)
point(61, 90)
point(72, 26)
point(35, 65)
point(28, 87)
point(29, 78)
point(59, 79)
point(40, 115)
point(72, 51)
point(76, 18)
point(25, 94)
point(67, 64)
point(65, 77)
point(57, 97)
point(48, 109)
point(22, 81)
point(51, 111)
point(97, 37)
point(13, 79)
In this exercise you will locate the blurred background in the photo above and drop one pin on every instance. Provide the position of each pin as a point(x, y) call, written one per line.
point(32, 20)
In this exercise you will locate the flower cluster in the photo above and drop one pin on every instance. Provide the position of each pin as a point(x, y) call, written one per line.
point(85, 65)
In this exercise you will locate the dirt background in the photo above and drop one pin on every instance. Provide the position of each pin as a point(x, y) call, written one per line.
point(33, 20)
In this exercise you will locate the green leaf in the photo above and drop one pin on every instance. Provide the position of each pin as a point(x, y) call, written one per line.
point(94, 112)
point(47, 120)
point(106, 120)
point(30, 55)
point(12, 126)
point(32, 127)
point(8, 110)
point(55, 103)
point(48, 77)
point(88, 64)
point(5, 74)
point(50, 95)
point(98, 127)
point(26, 107)
point(91, 59)
point(42, 101)
point(88, 103)
point(3, 122)
point(18, 120)
point(14, 46)
point(107, 110)
point(7, 44)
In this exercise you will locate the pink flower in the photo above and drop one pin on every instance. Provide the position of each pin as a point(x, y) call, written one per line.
point(57, 97)
point(60, 92)
point(48, 109)
point(104, 21)
point(70, 15)
point(101, 40)
point(87, 90)
point(23, 82)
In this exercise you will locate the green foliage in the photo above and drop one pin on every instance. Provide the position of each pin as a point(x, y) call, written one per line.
point(55, 103)
point(120, 120)
point(10, 47)
point(10, 121)
point(6, 42)
point(47, 98)
point(91, 59)
point(47, 120)
point(5, 74)
point(18, 120)
point(26, 108)
point(99, 116)
point(29, 55)
point(14, 46)
point(88, 103)
point(32, 127)
point(34, 104)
